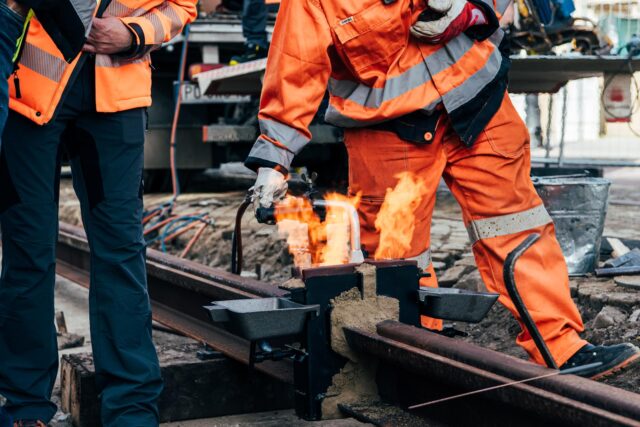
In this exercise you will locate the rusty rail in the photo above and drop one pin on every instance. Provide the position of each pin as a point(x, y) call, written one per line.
point(178, 289)
point(456, 366)
point(416, 365)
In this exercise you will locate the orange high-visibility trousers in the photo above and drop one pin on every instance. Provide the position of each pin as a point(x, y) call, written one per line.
point(500, 208)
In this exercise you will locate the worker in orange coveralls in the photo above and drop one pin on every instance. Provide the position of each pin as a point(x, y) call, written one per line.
point(422, 88)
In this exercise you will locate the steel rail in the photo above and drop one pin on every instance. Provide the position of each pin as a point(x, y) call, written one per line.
point(568, 400)
point(178, 289)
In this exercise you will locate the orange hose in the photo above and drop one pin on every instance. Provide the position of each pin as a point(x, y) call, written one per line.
point(150, 216)
point(180, 232)
point(193, 240)
point(160, 224)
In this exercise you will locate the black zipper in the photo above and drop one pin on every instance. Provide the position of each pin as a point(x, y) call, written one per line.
point(16, 83)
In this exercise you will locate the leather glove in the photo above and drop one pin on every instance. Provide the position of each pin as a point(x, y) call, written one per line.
point(271, 186)
point(446, 19)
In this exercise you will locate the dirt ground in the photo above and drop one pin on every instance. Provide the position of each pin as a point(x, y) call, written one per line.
point(611, 313)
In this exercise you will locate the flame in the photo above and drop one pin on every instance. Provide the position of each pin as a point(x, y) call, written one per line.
point(313, 241)
point(396, 220)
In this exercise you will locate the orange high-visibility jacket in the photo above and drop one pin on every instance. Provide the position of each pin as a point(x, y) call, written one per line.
point(122, 83)
point(362, 51)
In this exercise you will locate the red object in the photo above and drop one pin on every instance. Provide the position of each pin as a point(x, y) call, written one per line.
point(200, 68)
point(469, 16)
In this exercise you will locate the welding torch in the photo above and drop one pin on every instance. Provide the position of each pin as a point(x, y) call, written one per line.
point(268, 216)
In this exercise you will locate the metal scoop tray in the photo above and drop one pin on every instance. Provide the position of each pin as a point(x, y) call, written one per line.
point(261, 318)
point(456, 304)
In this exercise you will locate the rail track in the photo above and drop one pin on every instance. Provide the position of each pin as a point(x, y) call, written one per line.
point(414, 365)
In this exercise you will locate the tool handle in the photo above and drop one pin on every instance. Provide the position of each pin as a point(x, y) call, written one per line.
point(510, 284)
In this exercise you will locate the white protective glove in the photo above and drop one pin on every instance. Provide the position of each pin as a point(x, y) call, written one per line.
point(457, 17)
point(270, 187)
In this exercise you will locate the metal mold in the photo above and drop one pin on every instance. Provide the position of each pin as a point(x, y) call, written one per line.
point(262, 318)
point(456, 304)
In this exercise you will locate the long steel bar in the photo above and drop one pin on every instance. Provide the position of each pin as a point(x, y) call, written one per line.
point(612, 399)
point(561, 409)
point(178, 289)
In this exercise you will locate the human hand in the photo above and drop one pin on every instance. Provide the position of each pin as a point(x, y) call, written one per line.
point(109, 35)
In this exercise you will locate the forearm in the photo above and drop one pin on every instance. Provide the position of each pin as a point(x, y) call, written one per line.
point(159, 25)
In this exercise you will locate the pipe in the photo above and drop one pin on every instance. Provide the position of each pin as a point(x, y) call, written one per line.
point(510, 283)
point(354, 226)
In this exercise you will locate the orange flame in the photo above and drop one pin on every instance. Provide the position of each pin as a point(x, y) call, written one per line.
point(396, 220)
point(312, 241)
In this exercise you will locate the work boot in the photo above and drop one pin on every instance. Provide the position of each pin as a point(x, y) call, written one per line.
point(251, 53)
point(614, 358)
point(29, 423)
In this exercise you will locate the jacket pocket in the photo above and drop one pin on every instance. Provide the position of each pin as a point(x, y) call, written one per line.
point(374, 36)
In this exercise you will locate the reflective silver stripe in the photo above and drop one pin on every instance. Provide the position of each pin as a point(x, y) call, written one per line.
point(473, 84)
point(121, 10)
point(335, 117)
point(424, 259)
point(497, 36)
point(114, 61)
point(173, 17)
point(42, 62)
point(265, 150)
point(508, 224)
point(290, 138)
point(158, 29)
point(397, 86)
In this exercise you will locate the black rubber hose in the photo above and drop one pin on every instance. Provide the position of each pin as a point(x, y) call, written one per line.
point(510, 283)
point(236, 239)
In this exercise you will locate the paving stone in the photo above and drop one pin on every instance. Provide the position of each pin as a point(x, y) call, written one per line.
point(467, 259)
point(632, 282)
point(453, 247)
point(438, 229)
point(472, 282)
point(440, 256)
point(452, 275)
point(609, 316)
point(623, 299)
point(594, 289)
point(439, 265)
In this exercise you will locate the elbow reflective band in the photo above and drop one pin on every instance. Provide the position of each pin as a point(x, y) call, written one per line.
point(423, 260)
point(268, 152)
point(286, 136)
point(503, 225)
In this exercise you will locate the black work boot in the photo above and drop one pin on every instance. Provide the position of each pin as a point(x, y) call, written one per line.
point(614, 358)
point(251, 53)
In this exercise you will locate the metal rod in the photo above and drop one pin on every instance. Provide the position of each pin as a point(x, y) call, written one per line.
point(510, 283)
point(539, 377)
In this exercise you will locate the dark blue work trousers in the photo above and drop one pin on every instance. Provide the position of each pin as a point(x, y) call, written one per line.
point(106, 155)
point(254, 22)
point(10, 29)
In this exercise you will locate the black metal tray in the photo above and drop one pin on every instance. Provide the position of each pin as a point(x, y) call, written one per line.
point(261, 318)
point(456, 304)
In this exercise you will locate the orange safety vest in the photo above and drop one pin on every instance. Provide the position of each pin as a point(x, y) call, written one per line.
point(121, 83)
point(362, 52)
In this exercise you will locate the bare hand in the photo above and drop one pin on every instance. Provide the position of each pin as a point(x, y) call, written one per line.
point(108, 35)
